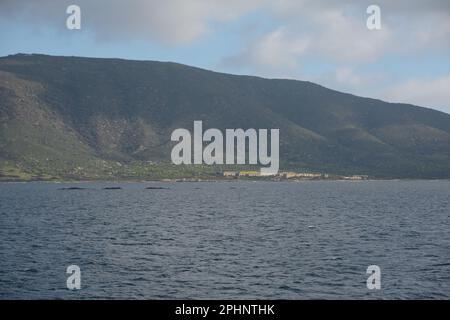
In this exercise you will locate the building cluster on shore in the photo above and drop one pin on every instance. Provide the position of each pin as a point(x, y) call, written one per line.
point(291, 175)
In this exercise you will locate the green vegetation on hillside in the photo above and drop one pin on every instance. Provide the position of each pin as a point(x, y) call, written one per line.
point(82, 118)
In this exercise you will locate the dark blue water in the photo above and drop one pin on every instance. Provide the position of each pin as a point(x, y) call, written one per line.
point(226, 240)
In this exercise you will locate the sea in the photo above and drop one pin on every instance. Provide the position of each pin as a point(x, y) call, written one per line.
point(226, 240)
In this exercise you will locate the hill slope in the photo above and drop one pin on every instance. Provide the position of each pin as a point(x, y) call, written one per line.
point(85, 118)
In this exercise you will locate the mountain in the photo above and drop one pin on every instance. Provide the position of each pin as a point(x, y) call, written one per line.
point(86, 118)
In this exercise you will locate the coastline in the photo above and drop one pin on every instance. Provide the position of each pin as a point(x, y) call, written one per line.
point(217, 180)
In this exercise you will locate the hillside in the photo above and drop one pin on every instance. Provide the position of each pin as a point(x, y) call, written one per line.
point(85, 118)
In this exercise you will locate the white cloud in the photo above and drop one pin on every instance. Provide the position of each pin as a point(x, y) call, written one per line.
point(347, 77)
point(170, 22)
point(342, 37)
point(338, 27)
point(423, 92)
point(273, 54)
point(337, 32)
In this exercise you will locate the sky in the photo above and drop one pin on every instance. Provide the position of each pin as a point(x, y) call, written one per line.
point(326, 42)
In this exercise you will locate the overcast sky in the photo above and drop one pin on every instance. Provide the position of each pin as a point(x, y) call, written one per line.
point(326, 42)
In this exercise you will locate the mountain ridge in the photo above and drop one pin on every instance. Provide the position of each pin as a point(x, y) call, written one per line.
point(76, 112)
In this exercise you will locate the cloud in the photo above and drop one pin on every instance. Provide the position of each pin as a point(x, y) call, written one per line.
point(338, 28)
point(169, 22)
point(343, 37)
point(337, 32)
point(347, 76)
point(423, 92)
point(273, 54)
point(330, 34)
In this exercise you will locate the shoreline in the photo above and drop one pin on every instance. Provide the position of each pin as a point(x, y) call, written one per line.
point(220, 180)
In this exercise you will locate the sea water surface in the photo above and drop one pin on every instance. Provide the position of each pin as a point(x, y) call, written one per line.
point(226, 240)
